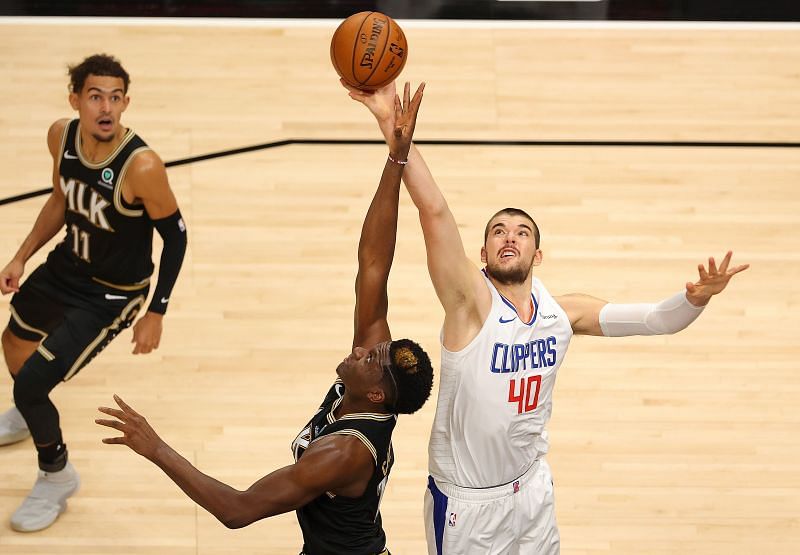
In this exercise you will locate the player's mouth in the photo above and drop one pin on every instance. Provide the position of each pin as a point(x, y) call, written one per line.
point(508, 253)
point(105, 124)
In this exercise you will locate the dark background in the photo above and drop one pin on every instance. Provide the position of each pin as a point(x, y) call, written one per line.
point(686, 10)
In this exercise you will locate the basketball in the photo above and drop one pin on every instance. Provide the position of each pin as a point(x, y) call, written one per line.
point(369, 50)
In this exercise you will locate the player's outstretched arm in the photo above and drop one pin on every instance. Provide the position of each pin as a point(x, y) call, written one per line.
point(49, 221)
point(457, 281)
point(339, 464)
point(146, 181)
point(592, 316)
point(379, 231)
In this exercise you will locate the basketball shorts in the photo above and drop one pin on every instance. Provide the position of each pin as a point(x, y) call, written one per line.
point(72, 316)
point(513, 519)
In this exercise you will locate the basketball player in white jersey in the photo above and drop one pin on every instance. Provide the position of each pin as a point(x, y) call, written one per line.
point(504, 337)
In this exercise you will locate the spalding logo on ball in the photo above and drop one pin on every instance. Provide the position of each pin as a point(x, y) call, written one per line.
point(369, 50)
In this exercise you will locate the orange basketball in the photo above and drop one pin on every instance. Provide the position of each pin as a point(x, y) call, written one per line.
point(369, 50)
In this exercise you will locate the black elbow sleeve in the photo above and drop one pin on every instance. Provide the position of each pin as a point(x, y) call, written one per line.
point(173, 232)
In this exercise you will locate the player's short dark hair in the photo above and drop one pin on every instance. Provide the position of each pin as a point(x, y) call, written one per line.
point(97, 64)
point(413, 372)
point(513, 212)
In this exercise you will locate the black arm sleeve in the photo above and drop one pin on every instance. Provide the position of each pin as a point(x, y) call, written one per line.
point(173, 232)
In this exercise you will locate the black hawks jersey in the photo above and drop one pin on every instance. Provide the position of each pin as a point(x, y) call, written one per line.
point(336, 525)
point(107, 238)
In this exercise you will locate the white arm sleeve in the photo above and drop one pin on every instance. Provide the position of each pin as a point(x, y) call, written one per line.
point(669, 316)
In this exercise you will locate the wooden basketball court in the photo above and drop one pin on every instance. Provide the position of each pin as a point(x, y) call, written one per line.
point(680, 444)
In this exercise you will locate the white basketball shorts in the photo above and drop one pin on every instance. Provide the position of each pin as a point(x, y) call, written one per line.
point(517, 518)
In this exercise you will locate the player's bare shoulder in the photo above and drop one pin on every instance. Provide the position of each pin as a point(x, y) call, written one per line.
point(55, 135)
point(146, 163)
point(146, 177)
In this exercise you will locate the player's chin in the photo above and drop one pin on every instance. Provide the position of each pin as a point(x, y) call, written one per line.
point(104, 136)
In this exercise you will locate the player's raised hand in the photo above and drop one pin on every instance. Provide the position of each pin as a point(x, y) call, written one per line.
point(137, 433)
point(712, 281)
point(405, 120)
point(380, 102)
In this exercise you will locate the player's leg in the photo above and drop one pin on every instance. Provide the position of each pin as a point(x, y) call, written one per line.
point(535, 507)
point(34, 312)
point(83, 333)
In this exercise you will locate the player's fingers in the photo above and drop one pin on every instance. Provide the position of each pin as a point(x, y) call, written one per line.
point(725, 261)
point(349, 88)
point(125, 406)
point(738, 269)
point(112, 412)
point(415, 102)
point(406, 95)
point(712, 266)
point(116, 424)
point(702, 271)
point(398, 108)
point(117, 440)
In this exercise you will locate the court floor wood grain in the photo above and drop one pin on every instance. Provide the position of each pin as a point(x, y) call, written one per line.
point(680, 444)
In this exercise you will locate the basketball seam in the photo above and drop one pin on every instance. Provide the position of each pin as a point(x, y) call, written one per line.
point(353, 50)
point(402, 59)
point(383, 50)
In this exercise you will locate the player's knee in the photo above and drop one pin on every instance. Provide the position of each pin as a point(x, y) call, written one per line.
point(16, 351)
point(34, 382)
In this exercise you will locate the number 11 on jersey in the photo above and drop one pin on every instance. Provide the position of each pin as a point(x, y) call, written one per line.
point(526, 399)
point(80, 243)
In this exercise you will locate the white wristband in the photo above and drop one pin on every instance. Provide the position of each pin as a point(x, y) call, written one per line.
point(669, 316)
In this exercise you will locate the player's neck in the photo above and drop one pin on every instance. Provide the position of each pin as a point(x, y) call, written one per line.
point(97, 151)
point(351, 406)
point(518, 294)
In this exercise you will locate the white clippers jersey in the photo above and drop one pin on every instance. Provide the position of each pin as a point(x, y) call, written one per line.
point(496, 394)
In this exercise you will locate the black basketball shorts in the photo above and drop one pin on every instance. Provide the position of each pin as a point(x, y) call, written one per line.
point(74, 316)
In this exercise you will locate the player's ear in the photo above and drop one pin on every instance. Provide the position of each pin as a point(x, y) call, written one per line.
point(376, 396)
point(537, 257)
point(483, 255)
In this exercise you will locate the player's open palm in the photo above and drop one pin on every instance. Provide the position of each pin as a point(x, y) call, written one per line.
point(713, 280)
point(405, 120)
point(380, 102)
point(137, 433)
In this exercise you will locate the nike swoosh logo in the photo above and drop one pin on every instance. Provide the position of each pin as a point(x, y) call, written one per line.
point(502, 321)
point(164, 301)
point(115, 297)
point(69, 156)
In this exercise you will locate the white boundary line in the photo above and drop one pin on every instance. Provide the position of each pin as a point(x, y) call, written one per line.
point(407, 23)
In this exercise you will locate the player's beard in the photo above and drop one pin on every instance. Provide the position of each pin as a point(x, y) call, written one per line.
point(509, 276)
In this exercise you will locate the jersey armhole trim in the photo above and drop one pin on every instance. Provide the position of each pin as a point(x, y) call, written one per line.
point(119, 202)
